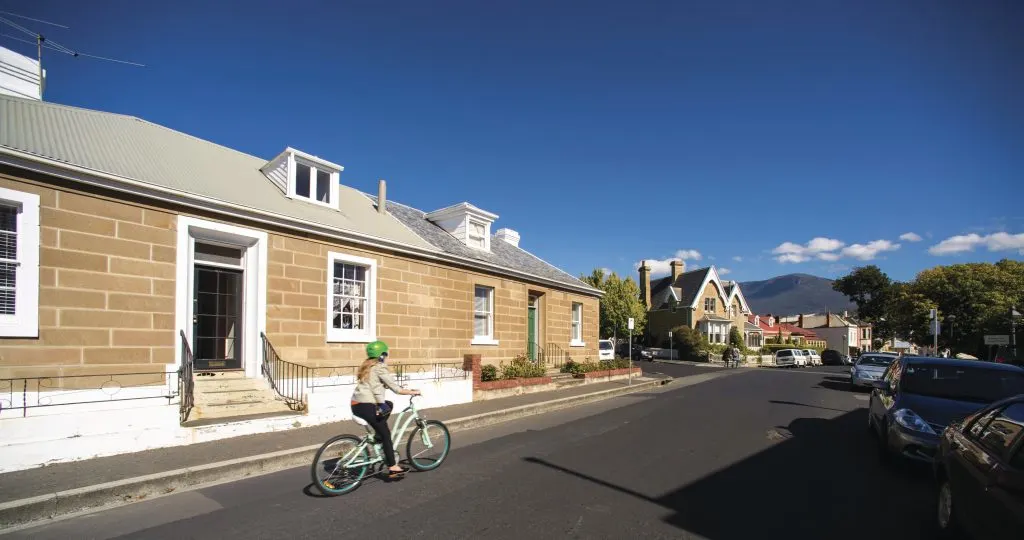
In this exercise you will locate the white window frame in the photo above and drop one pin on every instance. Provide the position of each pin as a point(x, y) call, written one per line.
point(332, 190)
point(349, 335)
point(486, 235)
point(487, 339)
point(712, 302)
point(576, 325)
point(25, 320)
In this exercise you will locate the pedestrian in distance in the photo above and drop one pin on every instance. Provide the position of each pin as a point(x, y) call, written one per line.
point(368, 403)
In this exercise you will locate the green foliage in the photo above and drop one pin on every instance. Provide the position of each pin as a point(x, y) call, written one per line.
point(587, 367)
point(521, 366)
point(488, 372)
point(770, 348)
point(973, 299)
point(688, 342)
point(736, 338)
point(620, 302)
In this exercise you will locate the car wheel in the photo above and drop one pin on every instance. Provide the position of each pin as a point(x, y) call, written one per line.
point(949, 527)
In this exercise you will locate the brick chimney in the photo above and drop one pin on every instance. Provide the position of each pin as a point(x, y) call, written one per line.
point(800, 321)
point(645, 283)
point(828, 319)
point(678, 267)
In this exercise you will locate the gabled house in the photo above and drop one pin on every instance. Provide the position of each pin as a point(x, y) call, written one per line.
point(137, 255)
point(698, 299)
point(839, 333)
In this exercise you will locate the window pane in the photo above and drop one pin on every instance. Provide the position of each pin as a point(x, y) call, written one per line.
point(323, 186)
point(302, 180)
point(1001, 432)
point(482, 301)
point(480, 325)
point(218, 254)
point(350, 301)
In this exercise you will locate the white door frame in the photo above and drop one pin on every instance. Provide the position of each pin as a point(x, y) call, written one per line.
point(254, 302)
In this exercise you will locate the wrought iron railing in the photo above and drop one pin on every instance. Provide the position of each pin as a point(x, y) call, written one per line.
point(24, 393)
point(437, 371)
point(288, 379)
point(330, 376)
point(186, 382)
point(556, 356)
point(535, 352)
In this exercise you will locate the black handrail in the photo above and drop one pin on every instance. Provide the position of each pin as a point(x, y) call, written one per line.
point(186, 383)
point(556, 356)
point(288, 379)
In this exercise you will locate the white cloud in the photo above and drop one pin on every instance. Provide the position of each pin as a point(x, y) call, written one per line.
point(830, 250)
point(866, 252)
point(685, 254)
point(738, 258)
point(999, 241)
point(910, 237)
point(820, 247)
point(607, 271)
point(724, 271)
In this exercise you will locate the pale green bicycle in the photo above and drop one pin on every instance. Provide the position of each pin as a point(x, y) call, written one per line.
point(343, 461)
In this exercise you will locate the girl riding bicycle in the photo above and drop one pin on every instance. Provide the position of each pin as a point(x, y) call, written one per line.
point(368, 401)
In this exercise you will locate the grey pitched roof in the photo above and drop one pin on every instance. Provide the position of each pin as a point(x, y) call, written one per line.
point(142, 151)
point(137, 150)
point(751, 327)
point(502, 253)
point(686, 286)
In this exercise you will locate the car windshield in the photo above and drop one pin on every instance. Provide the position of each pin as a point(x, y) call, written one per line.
point(873, 360)
point(965, 383)
point(606, 345)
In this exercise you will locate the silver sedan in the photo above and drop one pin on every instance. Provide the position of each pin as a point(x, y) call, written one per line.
point(869, 368)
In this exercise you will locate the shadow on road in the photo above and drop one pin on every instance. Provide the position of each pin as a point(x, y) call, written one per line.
point(780, 402)
point(822, 481)
point(843, 386)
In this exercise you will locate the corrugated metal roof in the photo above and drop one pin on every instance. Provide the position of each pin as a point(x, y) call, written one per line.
point(142, 151)
point(132, 148)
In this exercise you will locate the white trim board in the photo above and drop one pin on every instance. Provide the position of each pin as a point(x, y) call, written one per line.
point(254, 303)
point(24, 323)
point(159, 193)
point(711, 276)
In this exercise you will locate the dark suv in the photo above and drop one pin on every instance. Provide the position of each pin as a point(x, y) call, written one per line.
point(918, 396)
point(979, 468)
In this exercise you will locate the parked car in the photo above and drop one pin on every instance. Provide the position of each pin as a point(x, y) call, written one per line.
point(919, 396)
point(979, 472)
point(800, 358)
point(813, 356)
point(869, 368)
point(786, 357)
point(832, 357)
point(605, 349)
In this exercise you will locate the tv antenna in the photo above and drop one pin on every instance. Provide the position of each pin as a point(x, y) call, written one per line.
point(42, 42)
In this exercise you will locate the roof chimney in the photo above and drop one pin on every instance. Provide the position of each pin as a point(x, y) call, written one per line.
point(382, 197)
point(678, 267)
point(645, 283)
point(800, 321)
point(508, 235)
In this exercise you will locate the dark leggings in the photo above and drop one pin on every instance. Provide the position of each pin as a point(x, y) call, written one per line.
point(368, 412)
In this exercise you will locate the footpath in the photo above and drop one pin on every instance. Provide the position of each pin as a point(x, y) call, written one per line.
point(60, 489)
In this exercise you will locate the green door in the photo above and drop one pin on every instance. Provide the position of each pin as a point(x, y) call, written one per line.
point(531, 330)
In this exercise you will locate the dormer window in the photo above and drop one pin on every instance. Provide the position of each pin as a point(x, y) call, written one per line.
point(305, 177)
point(467, 223)
point(757, 321)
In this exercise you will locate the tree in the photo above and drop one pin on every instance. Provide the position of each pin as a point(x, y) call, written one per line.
point(689, 342)
point(874, 293)
point(736, 338)
point(620, 302)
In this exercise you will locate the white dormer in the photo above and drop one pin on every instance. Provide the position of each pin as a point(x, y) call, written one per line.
point(471, 225)
point(757, 321)
point(305, 177)
point(771, 321)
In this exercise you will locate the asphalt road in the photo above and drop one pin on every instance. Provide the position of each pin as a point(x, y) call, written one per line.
point(753, 453)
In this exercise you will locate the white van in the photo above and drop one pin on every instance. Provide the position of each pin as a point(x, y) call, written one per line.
point(606, 350)
point(787, 357)
point(813, 356)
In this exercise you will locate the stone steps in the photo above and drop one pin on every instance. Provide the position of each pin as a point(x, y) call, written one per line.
point(230, 396)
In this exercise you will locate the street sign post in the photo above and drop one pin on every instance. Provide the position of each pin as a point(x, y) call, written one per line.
point(671, 349)
point(997, 340)
point(631, 351)
point(935, 331)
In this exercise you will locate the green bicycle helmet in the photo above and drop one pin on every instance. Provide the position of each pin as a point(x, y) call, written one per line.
point(375, 349)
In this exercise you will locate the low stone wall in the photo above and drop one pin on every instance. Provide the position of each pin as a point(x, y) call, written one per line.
point(511, 387)
point(512, 383)
point(608, 375)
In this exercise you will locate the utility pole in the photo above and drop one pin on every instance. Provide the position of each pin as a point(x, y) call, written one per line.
point(1013, 331)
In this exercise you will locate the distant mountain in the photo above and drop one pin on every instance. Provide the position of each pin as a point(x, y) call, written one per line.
point(793, 294)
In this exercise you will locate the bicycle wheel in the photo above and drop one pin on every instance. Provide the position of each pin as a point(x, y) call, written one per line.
point(330, 475)
point(424, 457)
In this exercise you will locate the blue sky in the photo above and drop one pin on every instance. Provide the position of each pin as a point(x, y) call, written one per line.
point(763, 137)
